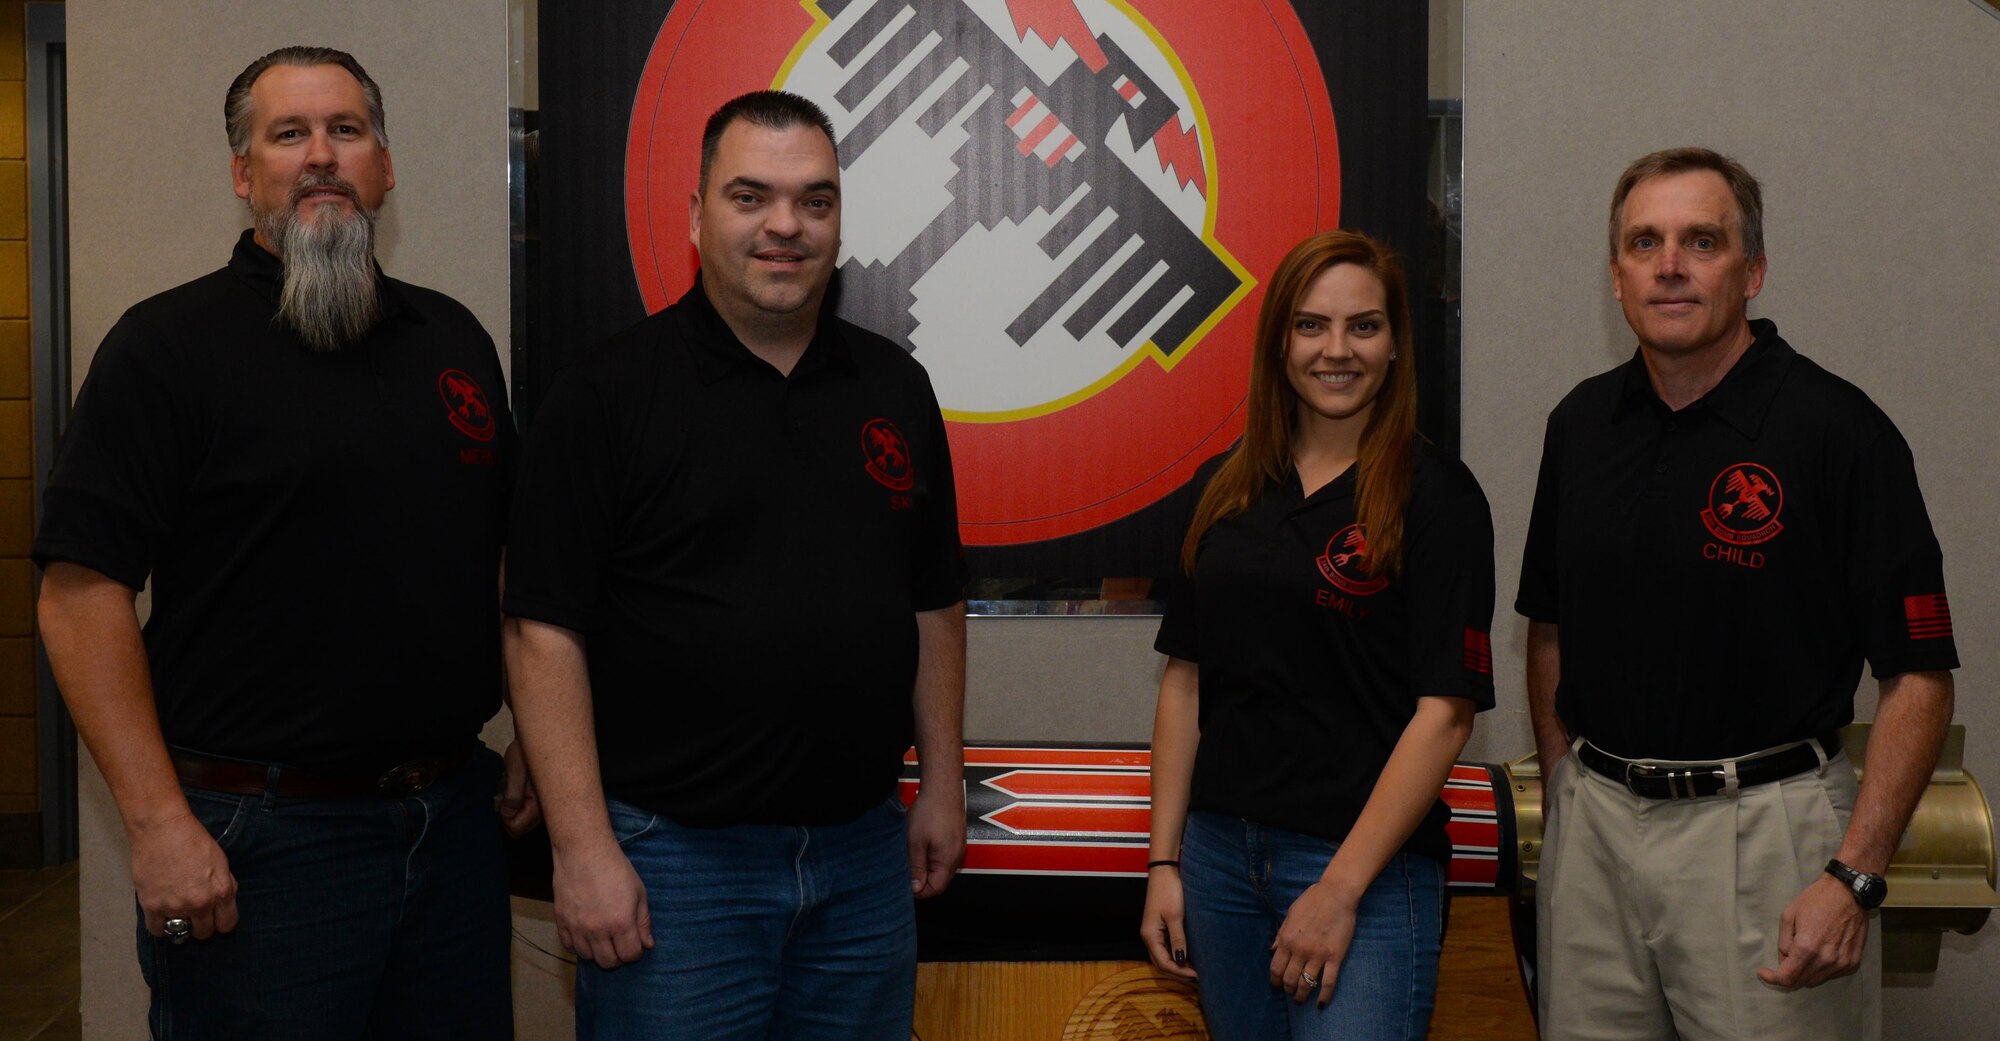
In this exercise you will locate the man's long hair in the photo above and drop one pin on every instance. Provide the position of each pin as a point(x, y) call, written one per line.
point(1388, 443)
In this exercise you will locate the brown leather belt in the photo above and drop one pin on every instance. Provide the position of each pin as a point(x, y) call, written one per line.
point(238, 777)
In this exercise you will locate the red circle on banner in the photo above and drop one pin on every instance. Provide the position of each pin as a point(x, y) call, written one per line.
point(1274, 178)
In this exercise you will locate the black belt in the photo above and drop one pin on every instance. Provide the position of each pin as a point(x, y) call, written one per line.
point(1694, 780)
point(239, 777)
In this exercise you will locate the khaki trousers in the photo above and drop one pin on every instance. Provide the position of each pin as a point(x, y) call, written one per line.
point(1654, 916)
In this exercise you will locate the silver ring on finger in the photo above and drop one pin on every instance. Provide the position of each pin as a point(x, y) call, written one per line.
point(1308, 979)
point(177, 929)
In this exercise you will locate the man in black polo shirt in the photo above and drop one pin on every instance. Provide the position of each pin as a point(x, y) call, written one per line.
point(734, 599)
point(311, 462)
point(1722, 531)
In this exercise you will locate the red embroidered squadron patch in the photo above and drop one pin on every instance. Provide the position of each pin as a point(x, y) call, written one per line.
point(1478, 652)
point(1743, 505)
point(887, 455)
point(1929, 616)
point(1345, 563)
point(465, 405)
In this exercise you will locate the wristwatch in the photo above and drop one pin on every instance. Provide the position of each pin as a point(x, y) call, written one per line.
point(1869, 890)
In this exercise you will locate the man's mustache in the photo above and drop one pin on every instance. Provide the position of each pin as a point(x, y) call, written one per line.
point(318, 182)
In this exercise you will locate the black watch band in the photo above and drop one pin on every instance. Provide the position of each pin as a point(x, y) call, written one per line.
point(1869, 890)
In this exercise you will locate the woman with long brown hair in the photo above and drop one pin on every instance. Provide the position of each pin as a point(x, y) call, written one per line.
point(1326, 654)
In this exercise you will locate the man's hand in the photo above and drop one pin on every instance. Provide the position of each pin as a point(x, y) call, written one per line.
point(1312, 942)
point(92, 635)
point(179, 872)
point(937, 838)
point(601, 912)
point(519, 810)
point(1820, 936)
point(1162, 925)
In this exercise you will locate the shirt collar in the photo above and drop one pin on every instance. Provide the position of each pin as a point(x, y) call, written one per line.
point(263, 272)
point(1290, 490)
point(717, 351)
point(1744, 395)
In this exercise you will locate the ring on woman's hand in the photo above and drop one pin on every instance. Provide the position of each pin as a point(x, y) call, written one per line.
point(1308, 979)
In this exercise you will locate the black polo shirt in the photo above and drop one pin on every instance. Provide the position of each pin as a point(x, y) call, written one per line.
point(1311, 666)
point(322, 528)
point(1718, 573)
point(745, 554)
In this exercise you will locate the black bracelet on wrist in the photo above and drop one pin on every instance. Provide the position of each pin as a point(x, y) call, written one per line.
point(1151, 864)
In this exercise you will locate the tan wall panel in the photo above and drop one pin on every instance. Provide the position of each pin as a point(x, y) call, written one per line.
point(13, 120)
point(17, 755)
point(17, 516)
point(13, 278)
point(17, 442)
point(17, 676)
point(13, 199)
point(17, 597)
point(16, 368)
point(13, 41)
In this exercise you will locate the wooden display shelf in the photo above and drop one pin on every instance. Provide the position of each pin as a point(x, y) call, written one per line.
point(1479, 993)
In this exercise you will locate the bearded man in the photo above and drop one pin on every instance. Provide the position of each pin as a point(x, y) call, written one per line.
point(311, 463)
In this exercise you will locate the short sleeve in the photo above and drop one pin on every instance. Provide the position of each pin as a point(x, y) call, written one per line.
point(1180, 622)
point(1180, 625)
point(126, 461)
point(508, 446)
point(1539, 596)
point(1448, 579)
point(1895, 567)
point(564, 522)
point(938, 572)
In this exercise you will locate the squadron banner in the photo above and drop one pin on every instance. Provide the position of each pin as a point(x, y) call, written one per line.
point(1061, 207)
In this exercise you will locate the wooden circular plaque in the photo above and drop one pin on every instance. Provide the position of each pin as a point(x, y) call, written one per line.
point(1140, 1004)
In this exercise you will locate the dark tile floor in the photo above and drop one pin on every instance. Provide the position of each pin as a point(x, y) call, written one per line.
point(39, 977)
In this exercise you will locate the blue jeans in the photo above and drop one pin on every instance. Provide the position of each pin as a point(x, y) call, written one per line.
point(359, 917)
point(763, 931)
point(1240, 879)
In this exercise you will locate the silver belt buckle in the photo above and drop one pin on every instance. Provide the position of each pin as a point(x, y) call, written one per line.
point(1680, 783)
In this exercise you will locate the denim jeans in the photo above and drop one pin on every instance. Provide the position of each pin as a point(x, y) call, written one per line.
point(763, 932)
point(1240, 878)
point(359, 917)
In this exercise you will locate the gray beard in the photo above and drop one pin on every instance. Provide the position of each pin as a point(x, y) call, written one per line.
point(329, 298)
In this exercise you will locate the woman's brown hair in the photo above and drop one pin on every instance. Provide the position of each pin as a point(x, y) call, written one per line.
point(1388, 450)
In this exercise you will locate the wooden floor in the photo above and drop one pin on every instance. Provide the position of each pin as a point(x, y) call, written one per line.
point(1480, 997)
point(39, 977)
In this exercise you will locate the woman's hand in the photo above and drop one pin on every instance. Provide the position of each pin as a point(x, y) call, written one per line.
point(1312, 943)
point(1161, 926)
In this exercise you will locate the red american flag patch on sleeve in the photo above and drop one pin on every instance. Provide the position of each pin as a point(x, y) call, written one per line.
point(1479, 651)
point(1929, 616)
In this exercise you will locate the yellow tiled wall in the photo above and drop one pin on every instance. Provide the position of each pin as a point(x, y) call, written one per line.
point(17, 469)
